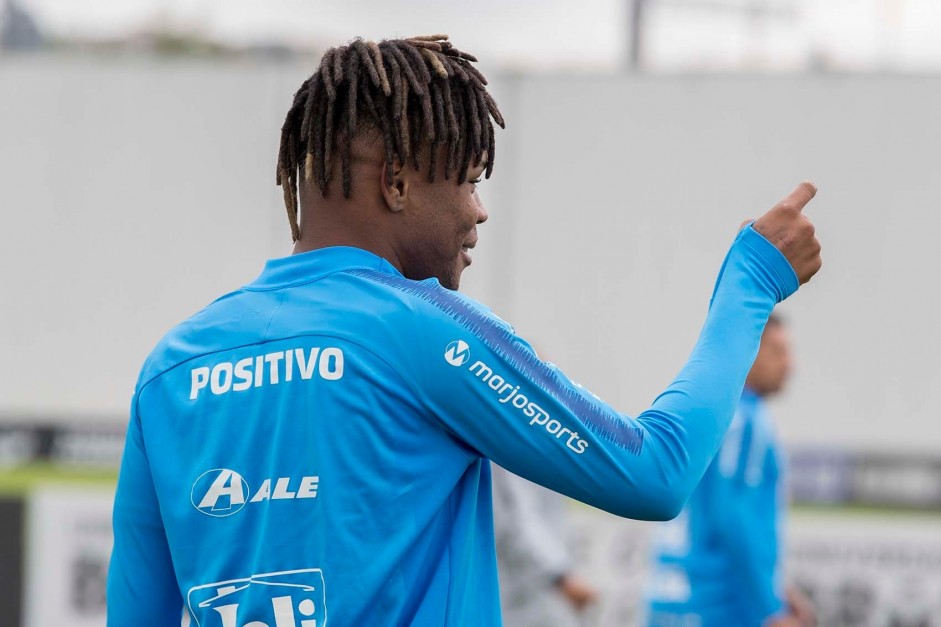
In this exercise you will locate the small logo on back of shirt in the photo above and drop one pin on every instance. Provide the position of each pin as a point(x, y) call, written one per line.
point(219, 492)
point(457, 353)
point(222, 492)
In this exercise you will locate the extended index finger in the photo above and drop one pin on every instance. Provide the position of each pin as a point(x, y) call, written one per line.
point(801, 195)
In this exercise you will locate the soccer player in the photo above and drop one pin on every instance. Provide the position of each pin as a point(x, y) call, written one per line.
point(719, 562)
point(316, 443)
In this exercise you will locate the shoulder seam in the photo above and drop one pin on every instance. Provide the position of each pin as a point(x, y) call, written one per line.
point(501, 339)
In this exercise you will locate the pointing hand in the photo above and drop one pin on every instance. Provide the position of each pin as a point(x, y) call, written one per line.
point(785, 226)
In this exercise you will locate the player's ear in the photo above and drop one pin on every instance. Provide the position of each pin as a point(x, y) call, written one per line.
point(395, 185)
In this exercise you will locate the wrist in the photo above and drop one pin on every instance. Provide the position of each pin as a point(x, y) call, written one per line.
point(780, 277)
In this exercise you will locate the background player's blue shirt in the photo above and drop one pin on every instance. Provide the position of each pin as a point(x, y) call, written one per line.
point(717, 563)
point(314, 446)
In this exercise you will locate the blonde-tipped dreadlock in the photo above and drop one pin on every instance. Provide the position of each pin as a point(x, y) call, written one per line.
point(413, 91)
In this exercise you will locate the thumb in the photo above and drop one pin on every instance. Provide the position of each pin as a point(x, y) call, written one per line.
point(799, 197)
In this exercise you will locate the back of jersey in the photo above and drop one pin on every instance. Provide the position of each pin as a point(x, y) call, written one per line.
point(314, 445)
point(273, 426)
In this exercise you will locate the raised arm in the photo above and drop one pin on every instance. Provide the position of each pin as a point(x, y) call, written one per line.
point(489, 389)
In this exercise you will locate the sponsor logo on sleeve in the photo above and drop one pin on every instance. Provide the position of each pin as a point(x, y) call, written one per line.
point(291, 598)
point(223, 492)
point(457, 354)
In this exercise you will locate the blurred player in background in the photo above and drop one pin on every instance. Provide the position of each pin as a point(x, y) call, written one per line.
point(720, 562)
point(318, 442)
point(538, 583)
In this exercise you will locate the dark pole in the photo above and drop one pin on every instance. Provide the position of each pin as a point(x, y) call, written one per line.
point(637, 32)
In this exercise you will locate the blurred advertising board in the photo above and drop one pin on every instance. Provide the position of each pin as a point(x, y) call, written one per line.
point(861, 568)
point(69, 545)
point(56, 490)
point(867, 569)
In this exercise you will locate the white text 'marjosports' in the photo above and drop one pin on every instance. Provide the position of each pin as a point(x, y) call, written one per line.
point(538, 415)
point(268, 369)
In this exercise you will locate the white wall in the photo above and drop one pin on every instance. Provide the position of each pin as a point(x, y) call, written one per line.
point(630, 191)
point(134, 192)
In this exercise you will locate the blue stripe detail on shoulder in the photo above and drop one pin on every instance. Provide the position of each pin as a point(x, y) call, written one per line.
point(601, 421)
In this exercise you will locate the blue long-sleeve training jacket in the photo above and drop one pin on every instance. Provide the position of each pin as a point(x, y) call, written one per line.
point(312, 449)
point(718, 563)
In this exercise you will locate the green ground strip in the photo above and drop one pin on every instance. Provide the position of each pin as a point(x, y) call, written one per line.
point(865, 510)
point(21, 479)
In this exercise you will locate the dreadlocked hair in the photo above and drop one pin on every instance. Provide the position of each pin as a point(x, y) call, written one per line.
point(412, 92)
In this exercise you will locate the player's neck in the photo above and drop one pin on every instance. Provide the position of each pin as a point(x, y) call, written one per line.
point(319, 238)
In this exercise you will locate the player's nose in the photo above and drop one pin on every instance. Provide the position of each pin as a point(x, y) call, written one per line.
point(482, 214)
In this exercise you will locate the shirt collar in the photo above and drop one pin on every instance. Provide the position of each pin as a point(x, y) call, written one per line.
point(315, 264)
